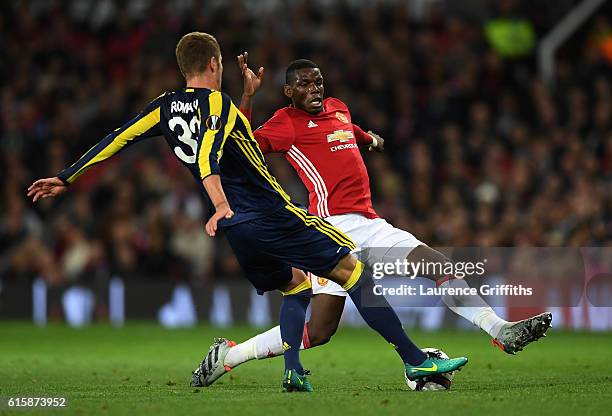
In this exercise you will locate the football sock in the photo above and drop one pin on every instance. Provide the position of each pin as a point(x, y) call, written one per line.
point(379, 315)
point(292, 317)
point(241, 353)
point(265, 345)
point(473, 308)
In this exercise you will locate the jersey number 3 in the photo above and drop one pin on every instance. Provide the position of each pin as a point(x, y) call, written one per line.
point(186, 137)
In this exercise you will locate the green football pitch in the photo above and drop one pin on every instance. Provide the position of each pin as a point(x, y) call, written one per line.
point(144, 369)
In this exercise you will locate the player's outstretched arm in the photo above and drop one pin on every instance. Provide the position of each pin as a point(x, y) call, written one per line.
point(251, 83)
point(143, 125)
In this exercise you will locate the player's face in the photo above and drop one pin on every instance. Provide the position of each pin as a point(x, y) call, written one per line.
point(306, 90)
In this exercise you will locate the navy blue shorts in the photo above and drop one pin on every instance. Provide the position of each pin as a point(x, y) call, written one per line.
point(268, 247)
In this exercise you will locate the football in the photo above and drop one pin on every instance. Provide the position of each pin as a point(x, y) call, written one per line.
point(436, 381)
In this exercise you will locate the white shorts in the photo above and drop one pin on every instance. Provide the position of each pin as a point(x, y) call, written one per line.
point(377, 241)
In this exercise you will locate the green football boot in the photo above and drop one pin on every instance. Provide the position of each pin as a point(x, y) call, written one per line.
point(515, 336)
point(434, 365)
point(293, 381)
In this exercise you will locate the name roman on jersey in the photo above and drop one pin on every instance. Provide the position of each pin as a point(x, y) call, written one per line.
point(181, 107)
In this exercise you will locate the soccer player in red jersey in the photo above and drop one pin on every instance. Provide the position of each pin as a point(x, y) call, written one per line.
point(319, 139)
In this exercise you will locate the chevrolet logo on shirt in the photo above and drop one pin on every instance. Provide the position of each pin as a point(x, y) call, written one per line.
point(340, 135)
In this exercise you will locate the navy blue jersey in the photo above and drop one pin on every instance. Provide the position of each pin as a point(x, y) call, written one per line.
point(209, 135)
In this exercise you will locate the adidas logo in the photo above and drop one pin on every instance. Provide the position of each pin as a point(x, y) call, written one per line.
point(312, 124)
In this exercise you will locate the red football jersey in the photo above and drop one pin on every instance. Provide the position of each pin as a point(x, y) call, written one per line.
point(323, 150)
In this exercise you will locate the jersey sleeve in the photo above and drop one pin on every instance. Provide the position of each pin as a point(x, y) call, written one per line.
point(275, 135)
point(216, 126)
point(361, 137)
point(144, 125)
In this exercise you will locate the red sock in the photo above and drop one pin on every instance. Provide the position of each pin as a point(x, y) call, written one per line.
point(305, 338)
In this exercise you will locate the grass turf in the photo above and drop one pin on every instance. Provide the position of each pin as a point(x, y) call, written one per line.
point(144, 369)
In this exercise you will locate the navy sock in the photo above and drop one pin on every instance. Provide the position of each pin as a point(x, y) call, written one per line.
point(379, 315)
point(292, 317)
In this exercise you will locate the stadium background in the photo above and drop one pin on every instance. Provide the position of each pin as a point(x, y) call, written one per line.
point(481, 150)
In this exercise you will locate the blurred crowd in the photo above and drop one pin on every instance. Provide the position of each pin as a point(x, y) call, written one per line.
point(480, 150)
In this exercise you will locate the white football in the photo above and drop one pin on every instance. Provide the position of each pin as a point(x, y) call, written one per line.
point(436, 381)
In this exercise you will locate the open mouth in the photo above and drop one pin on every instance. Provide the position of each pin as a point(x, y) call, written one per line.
point(316, 101)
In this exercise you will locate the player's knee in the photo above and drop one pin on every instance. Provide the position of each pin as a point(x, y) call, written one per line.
point(429, 255)
point(322, 334)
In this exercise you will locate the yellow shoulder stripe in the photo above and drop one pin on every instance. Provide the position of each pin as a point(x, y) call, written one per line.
point(229, 126)
point(215, 102)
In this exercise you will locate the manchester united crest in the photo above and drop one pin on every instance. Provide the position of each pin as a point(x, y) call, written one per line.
point(341, 117)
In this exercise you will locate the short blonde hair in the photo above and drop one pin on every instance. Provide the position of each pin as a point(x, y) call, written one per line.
point(194, 51)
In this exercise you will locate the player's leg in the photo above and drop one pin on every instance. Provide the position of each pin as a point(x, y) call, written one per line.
point(378, 314)
point(265, 345)
point(325, 251)
point(472, 308)
point(353, 277)
point(325, 313)
point(223, 355)
point(509, 336)
point(296, 296)
point(266, 273)
point(388, 244)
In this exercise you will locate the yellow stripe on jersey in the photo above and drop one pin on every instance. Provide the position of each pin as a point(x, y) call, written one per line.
point(305, 285)
point(254, 148)
point(352, 281)
point(247, 124)
point(252, 141)
point(319, 224)
point(309, 223)
point(250, 149)
point(215, 103)
point(229, 126)
point(246, 148)
point(256, 151)
point(323, 224)
point(141, 126)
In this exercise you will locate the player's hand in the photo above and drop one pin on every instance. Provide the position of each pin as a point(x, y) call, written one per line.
point(45, 188)
point(251, 81)
point(223, 211)
point(380, 142)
